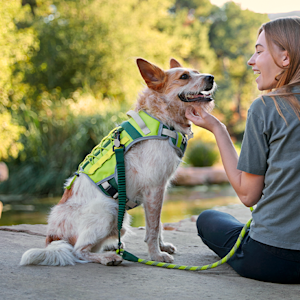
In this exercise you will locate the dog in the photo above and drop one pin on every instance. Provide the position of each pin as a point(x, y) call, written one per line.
point(82, 227)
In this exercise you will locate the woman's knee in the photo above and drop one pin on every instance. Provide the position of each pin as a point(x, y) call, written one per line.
point(204, 220)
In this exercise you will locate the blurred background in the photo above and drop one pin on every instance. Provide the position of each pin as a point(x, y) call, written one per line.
point(68, 75)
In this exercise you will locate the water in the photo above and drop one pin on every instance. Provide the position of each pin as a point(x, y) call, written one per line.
point(180, 203)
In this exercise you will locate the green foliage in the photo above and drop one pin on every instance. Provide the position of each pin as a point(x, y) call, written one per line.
point(232, 36)
point(81, 48)
point(202, 154)
point(197, 8)
point(15, 47)
point(9, 137)
point(55, 149)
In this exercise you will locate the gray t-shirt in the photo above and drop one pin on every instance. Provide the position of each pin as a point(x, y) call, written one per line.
point(272, 148)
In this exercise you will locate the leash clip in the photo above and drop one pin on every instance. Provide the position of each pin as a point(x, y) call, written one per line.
point(117, 142)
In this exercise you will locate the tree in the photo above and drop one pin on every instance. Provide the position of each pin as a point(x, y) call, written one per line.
point(15, 47)
point(232, 36)
point(9, 137)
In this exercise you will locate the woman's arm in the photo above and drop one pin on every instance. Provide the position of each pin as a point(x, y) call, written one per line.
point(247, 186)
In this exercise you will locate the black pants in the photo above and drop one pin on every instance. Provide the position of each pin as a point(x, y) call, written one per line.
point(219, 231)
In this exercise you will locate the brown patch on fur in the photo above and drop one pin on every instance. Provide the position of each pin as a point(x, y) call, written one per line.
point(51, 238)
point(72, 240)
point(67, 195)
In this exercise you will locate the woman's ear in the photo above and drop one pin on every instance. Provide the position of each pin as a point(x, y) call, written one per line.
point(285, 59)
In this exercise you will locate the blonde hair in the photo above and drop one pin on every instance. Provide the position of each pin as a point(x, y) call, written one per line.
point(284, 33)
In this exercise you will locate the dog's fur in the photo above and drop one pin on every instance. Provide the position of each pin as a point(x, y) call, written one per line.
point(83, 225)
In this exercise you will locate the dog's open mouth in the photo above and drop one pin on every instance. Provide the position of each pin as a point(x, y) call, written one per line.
point(204, 96)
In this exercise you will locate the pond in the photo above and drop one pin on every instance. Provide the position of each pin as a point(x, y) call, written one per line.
point(180, 203)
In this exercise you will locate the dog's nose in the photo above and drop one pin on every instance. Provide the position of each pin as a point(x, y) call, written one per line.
point(209, 79)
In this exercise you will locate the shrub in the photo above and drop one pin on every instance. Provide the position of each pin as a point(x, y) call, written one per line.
point(55, 146)
point(201, 154)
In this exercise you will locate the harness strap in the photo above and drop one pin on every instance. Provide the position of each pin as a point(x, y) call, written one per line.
point(110, 189)
point(136, 117)
point(169, 133)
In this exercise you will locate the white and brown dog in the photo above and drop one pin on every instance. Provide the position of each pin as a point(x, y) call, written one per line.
point(83, 225)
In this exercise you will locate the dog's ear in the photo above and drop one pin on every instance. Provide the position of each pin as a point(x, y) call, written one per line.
point(174, 64)
point(153, 75)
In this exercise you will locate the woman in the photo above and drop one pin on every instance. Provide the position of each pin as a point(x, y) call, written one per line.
point(267, 173)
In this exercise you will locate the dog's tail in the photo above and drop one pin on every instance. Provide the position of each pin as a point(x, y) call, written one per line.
point(58, 253)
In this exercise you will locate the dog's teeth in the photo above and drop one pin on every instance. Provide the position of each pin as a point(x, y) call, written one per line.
point(205, 93)
point(194, 96)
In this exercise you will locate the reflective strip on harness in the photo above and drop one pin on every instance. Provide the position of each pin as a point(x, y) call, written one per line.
point(139, 121)
point(169, 132)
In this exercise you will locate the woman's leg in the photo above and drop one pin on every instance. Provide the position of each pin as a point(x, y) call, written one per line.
point(219, 231)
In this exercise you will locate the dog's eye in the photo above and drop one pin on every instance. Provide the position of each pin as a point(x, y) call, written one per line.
point(184, 76)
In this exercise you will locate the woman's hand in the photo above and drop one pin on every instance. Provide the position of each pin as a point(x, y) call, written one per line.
point(202, 118)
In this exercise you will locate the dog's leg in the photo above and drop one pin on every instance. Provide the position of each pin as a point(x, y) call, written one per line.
point(110, 244)
point(107, 258)
point(94, 235)
point(167, 247)
point(153, 200)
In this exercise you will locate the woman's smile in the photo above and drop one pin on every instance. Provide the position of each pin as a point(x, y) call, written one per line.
point(264, 65)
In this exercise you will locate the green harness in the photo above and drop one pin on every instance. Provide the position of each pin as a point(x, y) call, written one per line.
point(100, 164)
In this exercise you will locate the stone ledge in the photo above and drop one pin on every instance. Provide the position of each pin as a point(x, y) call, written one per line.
point(194, 176)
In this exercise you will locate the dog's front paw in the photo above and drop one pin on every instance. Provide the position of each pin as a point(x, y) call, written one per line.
point(110, 259)
point(168, 247)
point(162, 257)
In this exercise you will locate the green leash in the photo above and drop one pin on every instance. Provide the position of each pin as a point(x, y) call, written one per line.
point(119, 151)
point(130, 257)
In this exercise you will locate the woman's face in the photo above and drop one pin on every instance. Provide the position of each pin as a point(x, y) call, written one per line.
point(262, 63)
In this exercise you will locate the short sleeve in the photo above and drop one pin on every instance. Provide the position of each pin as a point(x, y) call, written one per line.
point(255, 149)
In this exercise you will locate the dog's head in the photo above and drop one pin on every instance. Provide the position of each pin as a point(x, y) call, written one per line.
point(170, 92)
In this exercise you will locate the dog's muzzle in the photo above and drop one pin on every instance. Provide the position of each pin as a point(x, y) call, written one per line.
point(202, 96)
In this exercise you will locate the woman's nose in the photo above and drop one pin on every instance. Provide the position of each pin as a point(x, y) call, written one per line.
point(251, 61)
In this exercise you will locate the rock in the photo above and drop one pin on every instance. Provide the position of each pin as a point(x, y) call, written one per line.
point(194, 176)
point(194, 218)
